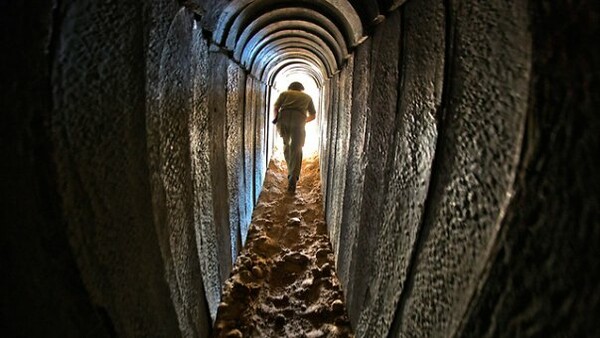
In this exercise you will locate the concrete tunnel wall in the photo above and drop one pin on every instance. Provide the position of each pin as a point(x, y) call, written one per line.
point(456, 160)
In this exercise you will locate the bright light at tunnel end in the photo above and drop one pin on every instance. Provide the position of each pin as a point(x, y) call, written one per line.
point(282, 81)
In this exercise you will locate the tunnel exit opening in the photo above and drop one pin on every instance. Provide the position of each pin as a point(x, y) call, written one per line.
point(311, 79)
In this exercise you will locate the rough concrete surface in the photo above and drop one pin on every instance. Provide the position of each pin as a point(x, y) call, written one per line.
point(408, 166)
point(342, 140)
point(544, 273)
point(260, 135)
point(250, 139)
point(350, 230)
point(382, 105)
point(217, 96)
point(478, 154)
point(239, 198)
point(99, 135)
point(457, 159)
point(200, 143)
point(176, 89)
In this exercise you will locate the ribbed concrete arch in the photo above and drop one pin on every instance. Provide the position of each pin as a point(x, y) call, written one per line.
point(272, 49)
point(300, 71)
point(297, 70)
point(264, 65)
point(297, 18)
point(326, 31)
point(276, 46)
point(332, 41)
point(254, 14)
point(238, 15)
point(261, 33)
point(248, 55)
point(292, 53)
point(306, 66)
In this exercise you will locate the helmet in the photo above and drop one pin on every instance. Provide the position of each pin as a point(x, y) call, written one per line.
point(296, 86)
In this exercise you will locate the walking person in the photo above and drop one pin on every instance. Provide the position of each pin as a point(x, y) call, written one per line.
point(291, 110)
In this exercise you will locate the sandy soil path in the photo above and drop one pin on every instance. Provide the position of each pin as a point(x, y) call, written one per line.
point(283, 283)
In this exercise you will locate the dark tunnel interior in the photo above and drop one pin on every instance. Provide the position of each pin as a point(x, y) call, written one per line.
point(456, 144)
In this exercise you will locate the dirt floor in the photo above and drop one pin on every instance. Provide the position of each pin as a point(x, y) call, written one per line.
point(284, 283)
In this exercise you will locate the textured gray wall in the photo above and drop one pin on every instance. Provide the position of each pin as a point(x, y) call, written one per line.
point(408, 166)
point(144, 190)
point(99, 130)
point(544, 278)
point(257, 120)
point(428, 233)
point(174, 204)
point(376, 77)
point(479, 146)
point(339, 151)
point(456, 219)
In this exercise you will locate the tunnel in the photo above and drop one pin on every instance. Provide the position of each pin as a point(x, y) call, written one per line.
point(458, 146)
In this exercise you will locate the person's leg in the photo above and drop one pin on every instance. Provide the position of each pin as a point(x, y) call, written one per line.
point(295, 163)
point(285, 134)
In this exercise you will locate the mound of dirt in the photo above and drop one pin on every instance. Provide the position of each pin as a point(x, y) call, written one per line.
point(283, 283)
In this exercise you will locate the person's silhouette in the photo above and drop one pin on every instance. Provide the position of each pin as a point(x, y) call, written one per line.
point(291, 110)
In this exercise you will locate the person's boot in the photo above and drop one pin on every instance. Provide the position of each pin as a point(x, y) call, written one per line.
point(291, 185)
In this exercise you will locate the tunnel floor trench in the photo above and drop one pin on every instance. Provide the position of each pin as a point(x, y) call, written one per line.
point(283, 283)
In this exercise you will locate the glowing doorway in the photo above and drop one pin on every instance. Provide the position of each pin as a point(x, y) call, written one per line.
point(282, 81)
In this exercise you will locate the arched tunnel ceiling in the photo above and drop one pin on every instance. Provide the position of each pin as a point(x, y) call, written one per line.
point(262, 69)
point(324, 57)
point(258, 44)
point(262, 33)
point(299, 69)
point(294, 65)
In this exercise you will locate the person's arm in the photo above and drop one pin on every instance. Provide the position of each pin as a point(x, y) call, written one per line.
point(276, 110)
point(312, 113)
